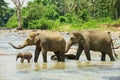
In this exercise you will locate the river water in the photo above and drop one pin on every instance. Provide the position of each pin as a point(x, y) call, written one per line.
point(52, 70)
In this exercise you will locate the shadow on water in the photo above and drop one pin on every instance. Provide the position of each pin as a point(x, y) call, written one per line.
point(112, 78)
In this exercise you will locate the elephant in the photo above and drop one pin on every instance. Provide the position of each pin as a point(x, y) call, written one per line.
point(45, 41)
point(67, 56)
point(94, 40)
point(24, 55)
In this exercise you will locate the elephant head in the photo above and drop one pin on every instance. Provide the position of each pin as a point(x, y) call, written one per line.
point(75, 37)
point(31, 40)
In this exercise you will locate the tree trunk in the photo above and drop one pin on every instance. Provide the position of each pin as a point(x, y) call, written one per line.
point(19, 20)
point(116, 13)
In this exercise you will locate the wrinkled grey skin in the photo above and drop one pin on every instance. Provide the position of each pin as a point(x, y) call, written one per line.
point(23, 56)
point(44, 42)
point(91, 40)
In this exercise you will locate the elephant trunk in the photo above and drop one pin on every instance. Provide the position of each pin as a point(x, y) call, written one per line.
point(16, 59)
point(69, 44)
point(17, 47)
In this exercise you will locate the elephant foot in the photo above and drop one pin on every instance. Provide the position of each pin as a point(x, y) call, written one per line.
point(63, 60)
point(45, 61)
point(102, 60)
point(76, 58)
point(35, 61)
point(112, 59)
point(89, 59)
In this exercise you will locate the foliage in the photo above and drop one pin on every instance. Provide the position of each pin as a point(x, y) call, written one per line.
point(42, 24)
point(12, 23)
point(62, 19)
point(3, 8)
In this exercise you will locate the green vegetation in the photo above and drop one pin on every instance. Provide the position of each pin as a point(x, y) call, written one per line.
point(5, 13)
point(66, 15)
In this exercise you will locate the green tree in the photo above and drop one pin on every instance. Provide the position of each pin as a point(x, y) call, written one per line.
point(3, 8)
point(115, 5)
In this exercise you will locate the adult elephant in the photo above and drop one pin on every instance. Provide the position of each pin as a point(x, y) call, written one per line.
point(94, 40)
point(45, 41)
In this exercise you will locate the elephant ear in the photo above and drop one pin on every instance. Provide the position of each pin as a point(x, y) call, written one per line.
point(36, 39)
point(79, 35)
point(33, 34)
point(76, 34)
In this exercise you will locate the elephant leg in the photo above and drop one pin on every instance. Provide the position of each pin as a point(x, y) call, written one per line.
point(111, 57)
point(103, 56)
point(79, 51)
point(62, 56)
point(37, 53)
point(22, 60)
point(87, 53)
point(44, 53)
point(28, 60)
point(58, 56)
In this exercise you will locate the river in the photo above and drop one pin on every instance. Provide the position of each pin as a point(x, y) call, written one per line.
point(53, 70)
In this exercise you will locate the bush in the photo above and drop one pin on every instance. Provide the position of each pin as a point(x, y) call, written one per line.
point(84, 15)
point(108, 19)
point(12, 23)
point(69, 18)
point(62, 19)
point(42, 24)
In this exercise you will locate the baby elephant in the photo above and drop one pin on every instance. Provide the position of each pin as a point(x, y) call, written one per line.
point(67, 56)
point(24, 55)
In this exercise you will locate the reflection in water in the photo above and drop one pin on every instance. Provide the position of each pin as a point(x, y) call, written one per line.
point(63, 65)
point(59, 65)
point(93, 64)
point(43, 66)
point(38, 67)
point(24, 66)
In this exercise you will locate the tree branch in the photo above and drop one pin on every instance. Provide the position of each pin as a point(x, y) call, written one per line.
point(22, 2)
point(15, 3)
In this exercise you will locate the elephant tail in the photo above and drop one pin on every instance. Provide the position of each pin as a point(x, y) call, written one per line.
point(114, 50)
point(113, 46)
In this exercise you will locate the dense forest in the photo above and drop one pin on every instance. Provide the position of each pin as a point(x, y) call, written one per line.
point(62, 14)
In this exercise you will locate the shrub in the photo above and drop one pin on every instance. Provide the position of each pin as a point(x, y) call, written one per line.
point(12, 23)
point(42, 24)
point(108, 19)
point(62, 19)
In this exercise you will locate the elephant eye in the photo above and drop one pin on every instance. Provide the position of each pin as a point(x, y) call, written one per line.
point(72, 38)
point(27, 39)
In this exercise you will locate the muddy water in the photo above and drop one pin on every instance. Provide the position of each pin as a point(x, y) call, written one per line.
point(52, 70)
